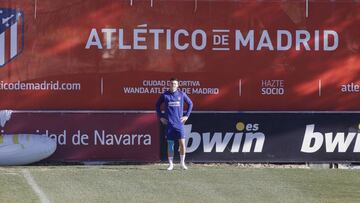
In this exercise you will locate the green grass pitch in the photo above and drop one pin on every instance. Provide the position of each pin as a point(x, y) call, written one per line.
point(201, 183)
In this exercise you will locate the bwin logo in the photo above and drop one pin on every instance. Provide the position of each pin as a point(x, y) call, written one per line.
point(313, 140)
point(11, 34)
point(247, 135)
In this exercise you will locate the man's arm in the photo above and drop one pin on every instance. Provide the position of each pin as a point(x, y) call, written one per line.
point(158, 106)
point(190, 105)
point(158, 110)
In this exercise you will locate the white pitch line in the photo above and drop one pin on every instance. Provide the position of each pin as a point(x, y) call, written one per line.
point(30, 180)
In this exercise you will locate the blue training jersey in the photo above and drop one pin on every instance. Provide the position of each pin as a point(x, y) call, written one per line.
point(174, 107)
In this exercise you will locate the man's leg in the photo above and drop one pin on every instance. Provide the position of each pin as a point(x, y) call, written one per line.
point(170, 147)
point(182, 153)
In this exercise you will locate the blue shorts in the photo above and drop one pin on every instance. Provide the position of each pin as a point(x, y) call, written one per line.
point(174, 133)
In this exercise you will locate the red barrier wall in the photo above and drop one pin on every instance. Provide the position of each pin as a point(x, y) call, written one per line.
point(94, 136)
point(106, 54)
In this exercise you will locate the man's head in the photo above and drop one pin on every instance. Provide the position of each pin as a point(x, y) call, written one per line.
point(174, 84)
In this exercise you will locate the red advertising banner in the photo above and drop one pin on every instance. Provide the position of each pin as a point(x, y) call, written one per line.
point(93, 136)
point(228, 55)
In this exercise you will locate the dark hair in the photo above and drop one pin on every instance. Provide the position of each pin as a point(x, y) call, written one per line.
point(174, 79)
